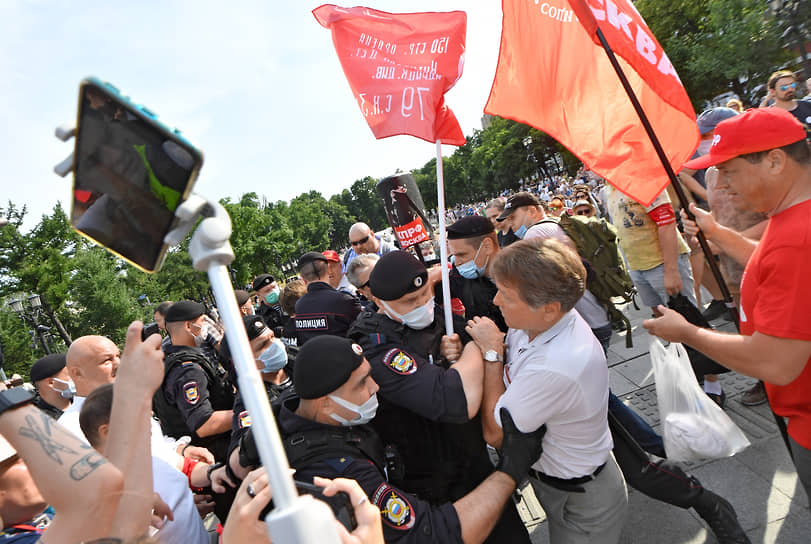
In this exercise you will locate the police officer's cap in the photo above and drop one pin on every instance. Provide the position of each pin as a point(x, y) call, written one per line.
point(310, 257)
point(323, 364)
point(254, 326)
point(242, 296)
point(396, 274)
point(516, 201)
point(47, 366)
point(471, 226)
point(185, 310)
point(261, 281)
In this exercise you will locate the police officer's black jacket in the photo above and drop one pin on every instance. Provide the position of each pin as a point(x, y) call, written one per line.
point(324, 310)
point(193, 388)
point(422, 407)
point(477, 296)
point(47, 407)
point(241, 421)
point(272, 315)
point(356, 452)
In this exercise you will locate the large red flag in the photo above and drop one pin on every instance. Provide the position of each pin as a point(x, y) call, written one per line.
point(399, 67)
point(552, 75)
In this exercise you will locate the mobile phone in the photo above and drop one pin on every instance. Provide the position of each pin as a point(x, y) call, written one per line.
point(149, 330)
point(340, 503)
point(131, 172)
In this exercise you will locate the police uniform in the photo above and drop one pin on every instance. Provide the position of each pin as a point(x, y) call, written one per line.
point(423, 408)
point(43, 368)
point(476, 294)
point(323, 310)
point(193, 388)
point(271, 314)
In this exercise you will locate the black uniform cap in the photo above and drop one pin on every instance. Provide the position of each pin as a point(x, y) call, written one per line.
point(310, 257)
point(47, 366)
point(323, 364)
point(396, 274)
point(185, 310)
point(242, 296)
point(254, 326)
point(262, 280)
point(516, 201)
point(471, 226)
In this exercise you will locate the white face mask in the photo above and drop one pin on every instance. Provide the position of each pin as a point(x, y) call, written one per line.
point(417, 319)
point(70, 388)
point(366, 411)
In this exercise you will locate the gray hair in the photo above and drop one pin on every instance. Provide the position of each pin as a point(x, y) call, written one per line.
point(358, 265)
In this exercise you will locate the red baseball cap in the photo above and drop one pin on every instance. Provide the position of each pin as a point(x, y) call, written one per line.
point(331, 255)
point(754, 130)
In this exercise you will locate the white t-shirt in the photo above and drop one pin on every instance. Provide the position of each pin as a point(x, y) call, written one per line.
point(173, 487)
point(560, 379)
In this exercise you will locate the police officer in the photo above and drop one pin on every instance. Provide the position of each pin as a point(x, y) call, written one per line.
point(55, 389)
point(323, 310)
point(267, 291)
point(473, 244)
point(325, 433)
point(271, 358)
point(428, 406)
point(195, 398)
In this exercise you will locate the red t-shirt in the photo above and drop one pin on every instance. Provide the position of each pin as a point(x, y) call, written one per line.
point(776, 300)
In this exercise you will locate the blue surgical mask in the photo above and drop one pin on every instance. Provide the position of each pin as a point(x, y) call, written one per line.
point(274, 357)
point(272, 297)
point(70, 388)
point(469, 270)
point(366, 411)
point(417, 319)
point(521, 232)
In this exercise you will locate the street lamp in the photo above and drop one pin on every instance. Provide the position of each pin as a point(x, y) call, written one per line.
point(31, 315)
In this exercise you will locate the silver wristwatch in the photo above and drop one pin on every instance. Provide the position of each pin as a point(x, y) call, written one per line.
point(492, 356)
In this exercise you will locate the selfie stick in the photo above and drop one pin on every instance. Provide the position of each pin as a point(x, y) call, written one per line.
point(298, 519)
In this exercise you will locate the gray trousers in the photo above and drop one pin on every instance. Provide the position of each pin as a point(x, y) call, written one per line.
point(802, 462)
point(595, 516)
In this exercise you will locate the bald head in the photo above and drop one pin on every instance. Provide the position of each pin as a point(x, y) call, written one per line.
point(92, 361)
point(362, 239)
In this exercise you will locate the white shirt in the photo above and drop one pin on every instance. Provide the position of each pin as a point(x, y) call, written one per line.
point(560, 379)
point(173, 487)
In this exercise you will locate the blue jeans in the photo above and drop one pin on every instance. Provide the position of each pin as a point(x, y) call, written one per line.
point(639, 429)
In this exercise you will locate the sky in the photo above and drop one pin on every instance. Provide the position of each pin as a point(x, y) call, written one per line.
point(256, 85)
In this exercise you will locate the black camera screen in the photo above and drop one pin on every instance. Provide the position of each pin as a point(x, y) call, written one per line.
point(130, 176)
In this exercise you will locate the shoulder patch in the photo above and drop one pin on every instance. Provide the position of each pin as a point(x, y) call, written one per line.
point(190, 392)
point(394, 508)
point(339, 464)
point(244, 419)
point(400, 362)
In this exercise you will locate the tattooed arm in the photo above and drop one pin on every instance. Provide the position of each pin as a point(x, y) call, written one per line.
point(75, 480)
point(128, 442)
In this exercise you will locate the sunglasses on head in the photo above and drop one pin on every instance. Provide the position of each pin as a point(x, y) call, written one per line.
point(789, 86)
point(361, 241)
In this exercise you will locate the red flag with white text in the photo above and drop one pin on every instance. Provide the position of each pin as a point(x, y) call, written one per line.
point(399, 67)
point(554, 75)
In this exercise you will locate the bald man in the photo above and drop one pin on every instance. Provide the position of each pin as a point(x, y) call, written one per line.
point(364, 241)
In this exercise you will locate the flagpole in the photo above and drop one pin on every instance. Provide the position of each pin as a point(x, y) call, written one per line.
point(716, 272)
point(443, 245)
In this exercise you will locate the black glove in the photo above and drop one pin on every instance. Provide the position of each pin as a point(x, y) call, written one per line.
point(248, 454)
point(519, 451)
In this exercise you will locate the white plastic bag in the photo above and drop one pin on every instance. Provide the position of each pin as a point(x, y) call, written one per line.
point(693, 426)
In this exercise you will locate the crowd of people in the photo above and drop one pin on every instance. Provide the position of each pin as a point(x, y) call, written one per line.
point(428, 432)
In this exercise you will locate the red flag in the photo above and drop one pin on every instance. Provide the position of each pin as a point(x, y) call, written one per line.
point(399, 67)
point(552, 75)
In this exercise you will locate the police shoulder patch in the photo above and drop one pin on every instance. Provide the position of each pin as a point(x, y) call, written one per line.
point(244, 419)
point(190, 392)
point(340, 464)
point(400, 362)
point(394, 508)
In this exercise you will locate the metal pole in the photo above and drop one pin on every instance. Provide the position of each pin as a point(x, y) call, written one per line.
point(716, 272)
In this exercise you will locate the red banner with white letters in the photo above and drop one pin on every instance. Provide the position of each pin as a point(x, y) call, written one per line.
point(553, 75)
point(399, 67)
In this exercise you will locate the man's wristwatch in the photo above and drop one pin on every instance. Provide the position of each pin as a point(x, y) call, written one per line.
point(14, 397)
point(492, 356)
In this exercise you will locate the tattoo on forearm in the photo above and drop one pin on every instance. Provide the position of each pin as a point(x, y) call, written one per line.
point(42, 432)
point(86, 465)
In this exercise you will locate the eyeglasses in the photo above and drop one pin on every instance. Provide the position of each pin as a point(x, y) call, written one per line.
point(789, 86)
point(582, 212)
point(361, 241)
point(555, 208)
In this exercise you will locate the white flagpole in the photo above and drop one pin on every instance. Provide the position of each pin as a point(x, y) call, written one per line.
point(443, 243)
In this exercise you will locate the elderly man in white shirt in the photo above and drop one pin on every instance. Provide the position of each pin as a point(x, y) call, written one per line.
point(552, 371)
